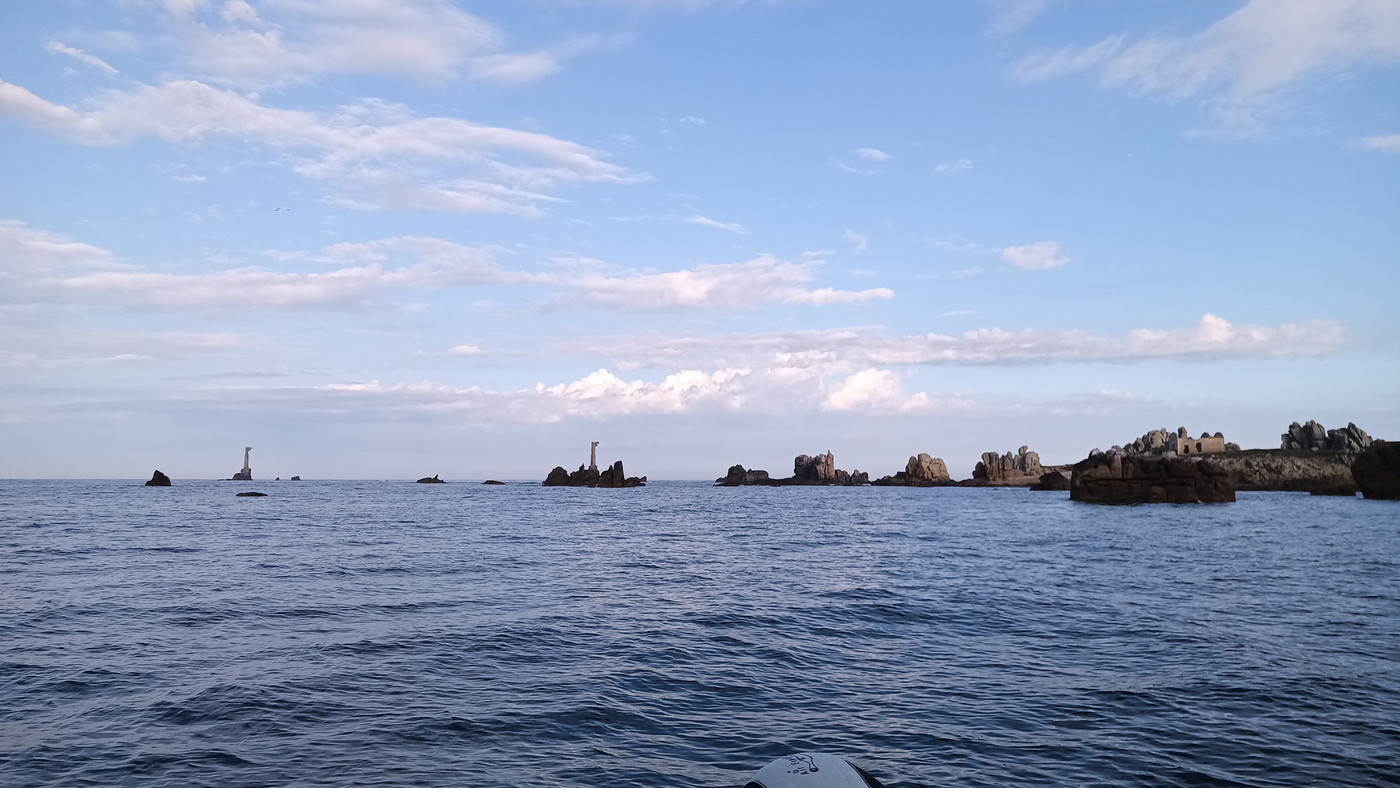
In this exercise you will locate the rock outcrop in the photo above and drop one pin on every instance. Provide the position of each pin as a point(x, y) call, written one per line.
point(1164, 441)
point(1377, 471)
point(158, 479)
point(818, 470)
point(1278, 470)
point(1116, 477)
point(252, 495)
point(614, 476)
point(492, 481)
point(1054, 481)
point(1021, 468)
point(431, 480)
point(921, 471)
point(1314, 437)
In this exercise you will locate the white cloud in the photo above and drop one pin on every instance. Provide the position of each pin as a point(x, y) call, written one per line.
point(466, 350)
point(764, 279)
point(872, 389)
point(56, 48)
point(860, 244)
point(1386, 143)
point(872, 154)
point(844, 351)
point(957, 165)
point(1241, 62)
point(365, 150)
point(1036, 256)
point(705, 221)
point(1016, 14)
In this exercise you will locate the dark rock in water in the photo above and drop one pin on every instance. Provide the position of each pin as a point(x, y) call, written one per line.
point(820, 469)
point(738, 477)
point(241, 477)
point(296, 478)
point(492, 481)
point(1377, 471)
point(252, 495)
point(431, 480)
point(158, 479)
point(1053, 481)
point(1124, 478)
point(592, 477)
point(1289, 470)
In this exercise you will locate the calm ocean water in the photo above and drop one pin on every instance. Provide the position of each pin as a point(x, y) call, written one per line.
point(387, 633)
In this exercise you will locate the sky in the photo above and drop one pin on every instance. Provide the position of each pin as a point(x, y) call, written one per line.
point(397, 238)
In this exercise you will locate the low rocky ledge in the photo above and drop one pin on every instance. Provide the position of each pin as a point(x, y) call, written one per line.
point(431, 480)
point(252, 495)
point(1289, 470)
point(158, 479)
point(1117, 478)
point(613, 477)
point(807, 471)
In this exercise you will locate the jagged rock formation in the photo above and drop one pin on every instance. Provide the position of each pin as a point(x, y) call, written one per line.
point(1164, 441)
point(920, 471)
point(1054, 481)
point(431, 480)
point(1021, 468)
point(614, 476)
point(1314, 437)
point(1116, 477)
point(1377, 471)
point(158, 479)
point(818, 470)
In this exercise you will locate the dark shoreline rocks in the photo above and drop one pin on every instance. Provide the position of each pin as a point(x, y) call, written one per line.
point(1116, 478)
point(158, 479)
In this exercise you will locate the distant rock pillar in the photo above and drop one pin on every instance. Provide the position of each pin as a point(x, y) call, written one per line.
point(247, 471)
point(593, 457)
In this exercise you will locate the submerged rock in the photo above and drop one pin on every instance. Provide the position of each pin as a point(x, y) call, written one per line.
point(252, 495)
point(1377, 471)
point(158, 479)
point(492, 481)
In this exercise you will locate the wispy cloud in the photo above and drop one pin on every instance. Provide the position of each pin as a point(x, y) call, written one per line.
point(705, 221)
point(1243, 62)
point(856, 242)
point(365, 151)
point(1386, 143)
point(56, 48)
point(872, 154)
point(957, 165)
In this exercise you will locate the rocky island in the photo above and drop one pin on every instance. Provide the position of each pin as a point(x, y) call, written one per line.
point(158, 479)
point(806, 470)
point(921, 471)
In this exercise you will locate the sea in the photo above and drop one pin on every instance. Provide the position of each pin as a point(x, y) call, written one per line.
point(388, 633)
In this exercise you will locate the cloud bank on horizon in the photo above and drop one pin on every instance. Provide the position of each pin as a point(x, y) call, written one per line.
point(577, 215)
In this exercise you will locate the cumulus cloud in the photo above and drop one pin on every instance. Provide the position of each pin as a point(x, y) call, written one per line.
point(1035, 257)
point(372, 152)
point(1242, 61)
point(872, 389)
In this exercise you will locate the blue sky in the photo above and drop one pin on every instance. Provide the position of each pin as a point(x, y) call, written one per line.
point(390, 238)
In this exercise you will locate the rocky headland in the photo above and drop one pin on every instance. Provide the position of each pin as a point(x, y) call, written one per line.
point(585, 476)
point(806, 470)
